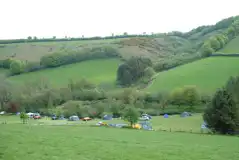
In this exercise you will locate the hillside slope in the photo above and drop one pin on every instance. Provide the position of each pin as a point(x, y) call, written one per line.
point(207, 74)
point(231, 47)
point(95, 71)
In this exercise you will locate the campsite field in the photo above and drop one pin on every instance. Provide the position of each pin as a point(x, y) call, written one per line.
point(207, 74)
point(96, 71)
point(47, 142)
point(173, 123)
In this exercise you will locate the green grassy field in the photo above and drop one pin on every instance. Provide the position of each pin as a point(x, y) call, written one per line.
point(207, 74)
point(231, 47)
point(44, 142)
point(96, 71)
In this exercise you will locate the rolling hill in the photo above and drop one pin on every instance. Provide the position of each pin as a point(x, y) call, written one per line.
point(207, 74)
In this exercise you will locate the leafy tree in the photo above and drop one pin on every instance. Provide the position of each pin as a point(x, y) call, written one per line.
point(132, 70)
point(23, 117)
point(131, 115)
point(232, 86)
point(206, 49)
point(164, 101)
point(215, 44)
point(191, 96)
point(177, 97)
point(5, 92)
point(116, 108)
point(222, 114)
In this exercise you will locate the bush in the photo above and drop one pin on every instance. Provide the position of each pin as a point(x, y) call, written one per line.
point(6, 63)
point(17, 67)
point(222, 114)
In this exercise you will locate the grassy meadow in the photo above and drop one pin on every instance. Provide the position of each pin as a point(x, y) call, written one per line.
point(207, 74)
point(231, 47)
point(96, 71)
point(81, 141)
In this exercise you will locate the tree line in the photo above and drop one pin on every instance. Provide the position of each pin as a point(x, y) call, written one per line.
point(218, 41)
point(85, 99)
point(58, 59)
point(54, 39)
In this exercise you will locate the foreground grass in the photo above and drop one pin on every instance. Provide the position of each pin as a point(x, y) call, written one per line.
point(231, 47)
point(26, 142)
point(207, 74)
point(96, 71)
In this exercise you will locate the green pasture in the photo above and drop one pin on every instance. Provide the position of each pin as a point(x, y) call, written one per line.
point(231, 47)
point(207, 74)
point(96, 71)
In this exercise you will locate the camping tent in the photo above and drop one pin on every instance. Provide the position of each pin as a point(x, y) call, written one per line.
point(186, 114)
point(165, 115)
point(146, 125)
point(74, 118)
point(107, 117)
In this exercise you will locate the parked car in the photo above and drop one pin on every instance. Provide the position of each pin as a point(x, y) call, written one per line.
point(73, 118)
point(53, 117)
point(146, 115)
point(36, 116)
point(86, 119)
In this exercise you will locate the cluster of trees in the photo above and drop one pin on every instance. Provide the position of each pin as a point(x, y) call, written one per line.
point(203, 30)
point(222, 113)
point(59, 59)
point(134, 69)
point(218, 41)
point(85, 99)
point(175, 61)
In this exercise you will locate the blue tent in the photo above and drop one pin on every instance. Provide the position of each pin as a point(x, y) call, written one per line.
point(107, 117)
point(165, 115)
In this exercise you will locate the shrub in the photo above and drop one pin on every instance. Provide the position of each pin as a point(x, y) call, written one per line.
point(7, 62)
point(17, 67)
